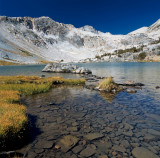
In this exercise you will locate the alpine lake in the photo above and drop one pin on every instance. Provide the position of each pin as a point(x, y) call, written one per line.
point(76, 122)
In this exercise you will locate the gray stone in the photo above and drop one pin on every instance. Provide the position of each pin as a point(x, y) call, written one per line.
point(103, 156)
point(128, 133)
point(65, 68)
point(67, 142)
point(140, 152)
point(93, 136)
point(131, 91)
point(118, 148)
point(77, 149)
point(43, 144)
point(154, 132)
point(88, 151)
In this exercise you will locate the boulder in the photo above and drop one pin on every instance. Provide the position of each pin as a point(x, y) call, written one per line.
point(65, 68)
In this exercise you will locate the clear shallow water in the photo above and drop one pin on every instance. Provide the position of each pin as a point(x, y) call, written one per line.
point(125, 121)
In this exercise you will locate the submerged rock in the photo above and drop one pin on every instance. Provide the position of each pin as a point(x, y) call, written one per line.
point(131, 83)
point(66, 68)
point(140, 152)
point(67, 142)
point(131, 91)
point(87, 152)
point(93, 136)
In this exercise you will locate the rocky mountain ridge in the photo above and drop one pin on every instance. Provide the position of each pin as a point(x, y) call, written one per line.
point(40, 40)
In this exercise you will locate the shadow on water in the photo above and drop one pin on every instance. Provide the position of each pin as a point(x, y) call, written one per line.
point(33, 131)
point(9, 147)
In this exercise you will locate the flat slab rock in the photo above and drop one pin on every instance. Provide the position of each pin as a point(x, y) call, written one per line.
point(140, 152)
point(87, 152)
point(65, 68)
point(67, 142)
point(93, 136)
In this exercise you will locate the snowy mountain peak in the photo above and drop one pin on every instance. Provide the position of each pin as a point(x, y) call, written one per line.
point(140, 30)
point(155, 26)
point(88, 28)
point(32, 40)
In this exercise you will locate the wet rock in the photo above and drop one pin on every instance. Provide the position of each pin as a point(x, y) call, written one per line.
point(103, 146)
point(93, 136)
point(72, 129)
point(125, 143)
point(149, 137)
point(103, 156)
point(11, 154)
point(128, 133)
point(87, 152)
point(131, 83)
point(43, 144)
point(154, 132)
point(140, 152)
point(67, 142)
point(131, 91)
point(118, 148)
point(77, 149)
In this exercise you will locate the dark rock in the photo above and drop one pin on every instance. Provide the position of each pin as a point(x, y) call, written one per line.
point(87, 152)
point(77, 149)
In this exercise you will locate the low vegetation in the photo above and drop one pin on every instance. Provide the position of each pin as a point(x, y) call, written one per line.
point(13, 118)
point(141, 56)
point(108, 85)
point(131, 50)
point(2, 62)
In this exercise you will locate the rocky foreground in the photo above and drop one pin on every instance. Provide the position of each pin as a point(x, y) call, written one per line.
point(75, 122)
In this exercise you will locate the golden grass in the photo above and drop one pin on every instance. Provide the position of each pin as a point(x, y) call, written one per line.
point(13, 117)
point(27, 88)
point(9, 96)
point(108, 84)
point(2, 62)
point(38, 80)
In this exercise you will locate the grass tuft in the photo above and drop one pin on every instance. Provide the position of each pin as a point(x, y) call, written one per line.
point(108, 84)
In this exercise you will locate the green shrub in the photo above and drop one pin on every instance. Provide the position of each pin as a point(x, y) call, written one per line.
point(141, 56)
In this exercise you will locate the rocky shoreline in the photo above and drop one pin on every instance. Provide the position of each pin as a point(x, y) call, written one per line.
point(75, 126)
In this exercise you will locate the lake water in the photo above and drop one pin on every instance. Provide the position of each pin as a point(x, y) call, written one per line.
point(72, 122)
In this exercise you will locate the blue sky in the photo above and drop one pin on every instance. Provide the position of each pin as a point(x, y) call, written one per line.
point(115, 16)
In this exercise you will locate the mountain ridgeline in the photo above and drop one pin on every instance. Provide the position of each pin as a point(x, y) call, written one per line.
point(29, 40)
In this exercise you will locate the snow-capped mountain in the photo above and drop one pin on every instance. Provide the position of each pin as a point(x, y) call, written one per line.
point(38, 40)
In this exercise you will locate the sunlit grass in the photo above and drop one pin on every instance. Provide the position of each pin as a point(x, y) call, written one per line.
point(108, 84)
point(27, 88)
point(9, 96)
point(13, 118)
point(2, 62)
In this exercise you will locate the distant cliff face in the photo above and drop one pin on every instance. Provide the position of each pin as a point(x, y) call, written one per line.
point(36, 40)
